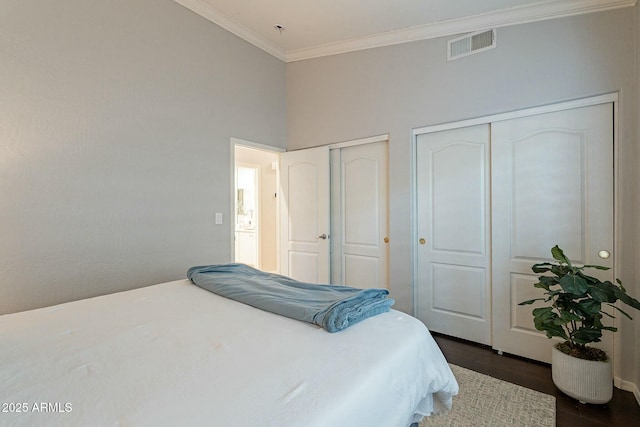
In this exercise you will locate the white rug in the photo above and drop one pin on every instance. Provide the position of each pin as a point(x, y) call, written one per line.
point(490, 402)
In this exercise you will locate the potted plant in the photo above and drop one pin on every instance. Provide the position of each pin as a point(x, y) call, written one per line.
point(575, 315)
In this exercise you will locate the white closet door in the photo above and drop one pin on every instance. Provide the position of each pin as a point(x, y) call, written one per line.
point(552, 183)
point(360, 218)
point(453, 294)
point(304, 214)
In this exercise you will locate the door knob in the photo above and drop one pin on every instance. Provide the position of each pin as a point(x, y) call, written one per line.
point(422, 241)
point(604, 254)
point(323, 236)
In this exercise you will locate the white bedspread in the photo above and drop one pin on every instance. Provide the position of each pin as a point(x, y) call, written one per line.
point(174, 354)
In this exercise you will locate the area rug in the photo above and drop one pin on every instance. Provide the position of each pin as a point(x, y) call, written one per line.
point(490, 402)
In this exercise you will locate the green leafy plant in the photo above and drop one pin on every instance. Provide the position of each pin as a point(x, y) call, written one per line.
point(577, 302)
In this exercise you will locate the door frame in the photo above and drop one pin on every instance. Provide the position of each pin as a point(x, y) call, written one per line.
point(567, 105)
point(232, 190)
point(361, 141)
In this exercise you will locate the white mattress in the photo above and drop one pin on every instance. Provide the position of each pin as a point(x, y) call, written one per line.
point(174, 354)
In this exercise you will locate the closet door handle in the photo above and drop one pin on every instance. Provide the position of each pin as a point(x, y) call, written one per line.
point(323, 236)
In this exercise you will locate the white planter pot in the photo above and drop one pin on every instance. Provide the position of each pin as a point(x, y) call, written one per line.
point(585, 380)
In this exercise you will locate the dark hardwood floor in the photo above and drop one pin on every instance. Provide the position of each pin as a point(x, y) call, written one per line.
point(623, 410)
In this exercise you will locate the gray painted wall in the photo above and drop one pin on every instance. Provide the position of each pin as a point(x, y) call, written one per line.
point(637, 180)
point(398, 88)
point(115, 121)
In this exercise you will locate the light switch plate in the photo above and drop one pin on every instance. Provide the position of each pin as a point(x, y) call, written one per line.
point(218, 217)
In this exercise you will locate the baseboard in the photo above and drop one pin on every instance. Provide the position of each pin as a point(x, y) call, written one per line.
point(628, 386)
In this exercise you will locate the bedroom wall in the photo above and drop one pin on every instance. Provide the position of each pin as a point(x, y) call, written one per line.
point(395, 89)
point(115, 122)
point(637, 262)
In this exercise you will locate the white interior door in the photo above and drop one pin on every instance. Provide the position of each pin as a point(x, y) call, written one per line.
point(359, 219)
point(552, 183)
point(453, 294)
point(304, 215)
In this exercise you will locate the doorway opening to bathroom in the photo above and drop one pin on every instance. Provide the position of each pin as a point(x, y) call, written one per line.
point(255, 205)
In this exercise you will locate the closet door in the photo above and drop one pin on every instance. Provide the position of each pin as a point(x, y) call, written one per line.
point(453, 294)
point(552, 183)
point(359, 219)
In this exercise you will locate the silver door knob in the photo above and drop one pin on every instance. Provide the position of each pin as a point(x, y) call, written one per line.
point(604, 254)
point(323, 236)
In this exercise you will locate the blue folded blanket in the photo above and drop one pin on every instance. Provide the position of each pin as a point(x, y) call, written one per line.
point(332, 307)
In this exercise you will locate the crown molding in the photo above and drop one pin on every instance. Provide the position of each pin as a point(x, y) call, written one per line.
point(502, 18)
point(206, 11)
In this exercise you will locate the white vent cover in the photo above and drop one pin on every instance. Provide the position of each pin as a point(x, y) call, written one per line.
point(470, 44)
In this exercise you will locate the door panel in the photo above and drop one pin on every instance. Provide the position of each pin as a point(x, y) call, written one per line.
point(361, 200)
point(547, 189)
point(363, 272)
point(453, 286)
point(304, 213)
point(552, 180)
point(457, 198)
point(457, 290)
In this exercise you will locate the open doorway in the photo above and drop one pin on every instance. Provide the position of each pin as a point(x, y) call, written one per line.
point(255, 214)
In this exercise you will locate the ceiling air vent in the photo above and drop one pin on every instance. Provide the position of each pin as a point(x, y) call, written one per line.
point(470, 44)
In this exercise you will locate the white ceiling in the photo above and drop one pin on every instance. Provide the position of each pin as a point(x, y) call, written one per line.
point(315, 28)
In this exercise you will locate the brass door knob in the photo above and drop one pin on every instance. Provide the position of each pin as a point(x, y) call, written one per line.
point(386, 240)
point(422, 241)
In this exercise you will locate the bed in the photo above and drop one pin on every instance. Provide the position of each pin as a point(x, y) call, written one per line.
point(175, 354)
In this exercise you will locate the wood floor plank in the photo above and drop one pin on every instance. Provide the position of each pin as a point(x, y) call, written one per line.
point(623, 410)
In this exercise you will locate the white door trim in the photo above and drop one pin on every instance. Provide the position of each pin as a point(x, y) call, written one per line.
point(361, 141)
point(568, 105)
point(350, 143)
point(251, 144)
